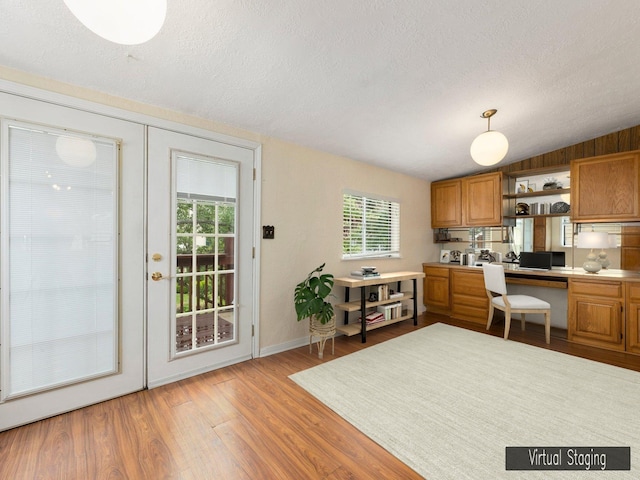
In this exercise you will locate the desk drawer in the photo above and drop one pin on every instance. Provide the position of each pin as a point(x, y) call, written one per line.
point(610, 289)
point(468, 282)
point(436, 271)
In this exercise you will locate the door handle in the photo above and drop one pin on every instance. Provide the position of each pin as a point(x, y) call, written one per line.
point(157, 276)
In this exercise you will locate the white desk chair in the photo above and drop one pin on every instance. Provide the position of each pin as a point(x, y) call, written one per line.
point(496, 287)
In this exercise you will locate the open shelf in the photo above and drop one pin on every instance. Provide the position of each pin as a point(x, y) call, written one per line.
point(355, 305)
point(538, 193)
point(539, 215)
point(356, 328)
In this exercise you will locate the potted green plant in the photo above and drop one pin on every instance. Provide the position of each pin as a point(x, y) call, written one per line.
point(310, 299)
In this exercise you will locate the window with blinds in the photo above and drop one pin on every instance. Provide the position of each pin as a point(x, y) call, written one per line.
point(613, 229)
point(371, 227)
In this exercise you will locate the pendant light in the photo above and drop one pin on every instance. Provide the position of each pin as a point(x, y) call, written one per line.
point(127, 22)
point(489, 147)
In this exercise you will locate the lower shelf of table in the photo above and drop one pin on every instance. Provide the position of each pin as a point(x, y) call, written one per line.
point(356, 328)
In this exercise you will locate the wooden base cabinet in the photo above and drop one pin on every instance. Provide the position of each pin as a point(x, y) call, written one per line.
point(632, 317)
point(596, 313)
point(436, 287)
point(468, 296)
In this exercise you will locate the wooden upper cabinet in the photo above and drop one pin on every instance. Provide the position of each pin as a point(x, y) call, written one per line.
point(482, 200)
point(446, 203)
point(467, 202)
point(605, 189)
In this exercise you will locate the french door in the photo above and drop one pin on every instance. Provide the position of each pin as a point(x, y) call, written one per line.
point(126, 257)
point(200, 261)
point(72, 259)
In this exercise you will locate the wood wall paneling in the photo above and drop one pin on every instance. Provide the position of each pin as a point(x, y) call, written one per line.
point(621, 141)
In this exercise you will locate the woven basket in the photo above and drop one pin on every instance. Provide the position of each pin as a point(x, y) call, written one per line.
point(322, 332)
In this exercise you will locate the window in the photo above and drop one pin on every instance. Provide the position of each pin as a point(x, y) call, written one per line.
point(481, 237)
point(613, 229)
point(205, 246)
point(371, 227)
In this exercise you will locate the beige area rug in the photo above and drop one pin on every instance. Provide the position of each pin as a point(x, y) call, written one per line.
point(447, 401)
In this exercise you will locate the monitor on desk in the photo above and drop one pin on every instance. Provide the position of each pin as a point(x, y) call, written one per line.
point(558, 259)
point(536, 260)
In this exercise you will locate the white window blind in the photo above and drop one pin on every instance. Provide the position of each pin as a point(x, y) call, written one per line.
point(481, 237)
point(371, 227)
point(59, 258)
point(613, 229)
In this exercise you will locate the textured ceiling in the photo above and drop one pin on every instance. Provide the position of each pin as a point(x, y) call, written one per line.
point(400, 84)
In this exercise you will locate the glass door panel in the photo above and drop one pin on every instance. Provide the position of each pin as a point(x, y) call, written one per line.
point(59, 295)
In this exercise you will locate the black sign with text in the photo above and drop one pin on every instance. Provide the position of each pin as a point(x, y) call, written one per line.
point(568, 458)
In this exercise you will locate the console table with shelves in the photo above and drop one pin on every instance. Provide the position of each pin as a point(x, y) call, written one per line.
point(363, 303)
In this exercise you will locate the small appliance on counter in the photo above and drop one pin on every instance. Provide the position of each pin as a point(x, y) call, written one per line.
point(468, 259)
point(511, 257)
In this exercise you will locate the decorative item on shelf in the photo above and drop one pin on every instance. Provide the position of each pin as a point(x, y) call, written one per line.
point(310, 302)
point(531, 188)
point(489, 147)
point(523, 186)
point(592, 240)
point(522, 209)
point(551, 183)
point(560, 207)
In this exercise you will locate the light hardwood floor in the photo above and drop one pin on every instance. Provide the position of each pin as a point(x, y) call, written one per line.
point(247, 421)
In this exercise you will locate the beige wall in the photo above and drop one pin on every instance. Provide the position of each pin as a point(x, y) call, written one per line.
point(301, 197)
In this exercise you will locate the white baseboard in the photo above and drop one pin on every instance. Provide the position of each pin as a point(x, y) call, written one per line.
point(283, 347)
point(209, 368)
point(290, 345)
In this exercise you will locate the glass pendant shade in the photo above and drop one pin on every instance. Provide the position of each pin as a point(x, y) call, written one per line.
point(489, 148)
point(127, 22)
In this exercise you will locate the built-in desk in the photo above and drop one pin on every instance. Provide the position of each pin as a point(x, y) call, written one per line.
point(601, 310)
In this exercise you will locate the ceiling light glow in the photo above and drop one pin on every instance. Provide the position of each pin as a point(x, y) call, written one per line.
point(489, 147)
point(127, 22)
